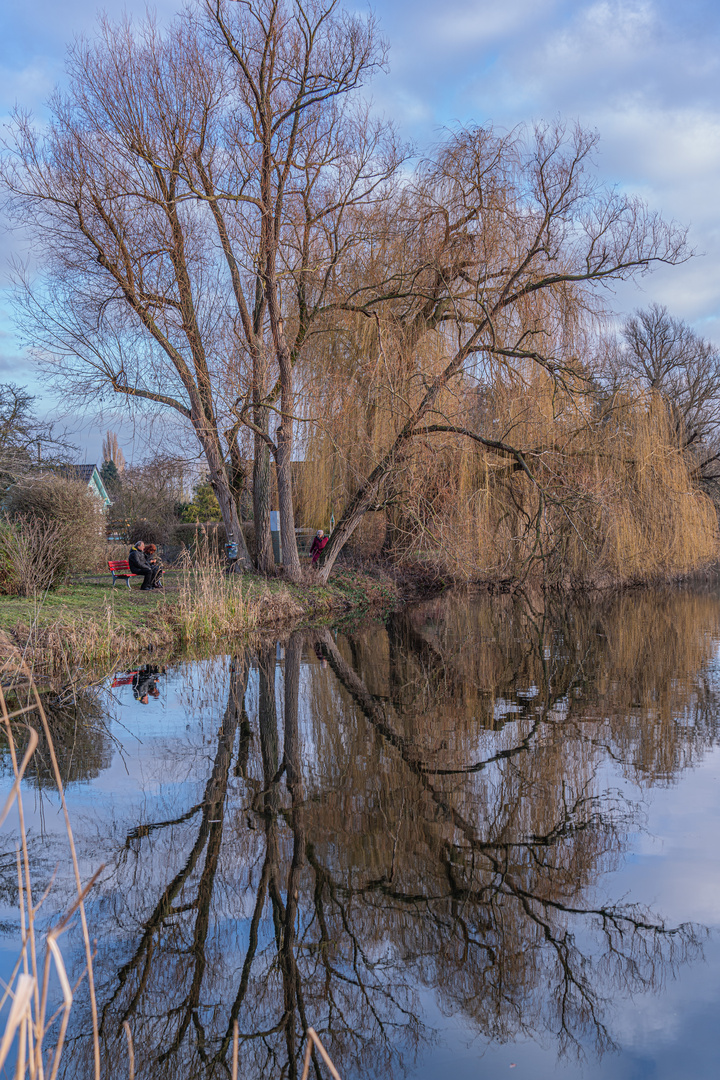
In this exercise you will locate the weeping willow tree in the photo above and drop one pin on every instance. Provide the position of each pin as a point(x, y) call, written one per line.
point(524, 475)
point(461, 398)
point(592, 498)
point(455, 392)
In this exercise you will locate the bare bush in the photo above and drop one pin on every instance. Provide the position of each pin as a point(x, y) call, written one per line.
point(72, 510)
point(145, 501)
point(29, 556)
point(151, 532)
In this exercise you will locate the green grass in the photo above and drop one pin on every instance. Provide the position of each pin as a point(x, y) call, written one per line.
point(92, 621)
point(85, 598)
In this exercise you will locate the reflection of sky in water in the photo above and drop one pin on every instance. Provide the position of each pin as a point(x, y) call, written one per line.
point(673, 1035)
point(163, 755)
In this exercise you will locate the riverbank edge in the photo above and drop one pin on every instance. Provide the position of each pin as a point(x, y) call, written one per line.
point(99, 635)
point(98, 638)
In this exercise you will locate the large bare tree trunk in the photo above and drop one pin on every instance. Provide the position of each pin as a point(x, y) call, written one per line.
point(262, 471)
point(291, 559)
point(262, 484)
point(228, 507)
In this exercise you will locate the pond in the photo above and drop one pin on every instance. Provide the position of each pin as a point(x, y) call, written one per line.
point(480, 836)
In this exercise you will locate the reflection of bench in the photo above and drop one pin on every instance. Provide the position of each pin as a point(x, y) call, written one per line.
point(124, 678)
point(120, 568)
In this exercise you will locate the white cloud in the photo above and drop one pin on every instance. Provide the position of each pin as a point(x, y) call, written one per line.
point(604, 35)
point(646, 80)
point(28, 86)
point(466, 24)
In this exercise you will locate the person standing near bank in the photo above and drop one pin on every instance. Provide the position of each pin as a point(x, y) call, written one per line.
point(319, 542)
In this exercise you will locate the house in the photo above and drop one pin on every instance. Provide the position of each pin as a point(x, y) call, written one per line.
point(88, 474)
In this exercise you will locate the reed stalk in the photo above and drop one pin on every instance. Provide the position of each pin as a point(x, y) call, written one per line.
point(32, 1021)
point(210, 603)
point(28, 987)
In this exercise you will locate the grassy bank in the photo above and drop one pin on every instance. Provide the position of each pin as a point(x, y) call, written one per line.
point(87, 622)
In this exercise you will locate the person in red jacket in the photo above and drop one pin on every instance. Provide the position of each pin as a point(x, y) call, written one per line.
point(319, 542)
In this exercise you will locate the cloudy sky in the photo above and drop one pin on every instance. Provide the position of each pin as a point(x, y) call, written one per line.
point(643, 73)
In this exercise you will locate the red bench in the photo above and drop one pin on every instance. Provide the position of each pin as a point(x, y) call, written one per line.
point(120, 568)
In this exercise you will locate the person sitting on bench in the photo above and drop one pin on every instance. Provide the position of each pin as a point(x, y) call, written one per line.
point(140, 566)
point(152, 557)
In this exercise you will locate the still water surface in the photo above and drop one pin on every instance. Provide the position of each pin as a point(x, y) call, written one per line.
point(480, 839)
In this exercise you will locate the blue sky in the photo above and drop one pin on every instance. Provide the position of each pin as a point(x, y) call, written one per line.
point(644, 73)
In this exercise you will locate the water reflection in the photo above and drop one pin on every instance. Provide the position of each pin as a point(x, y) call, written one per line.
point(83, 746)
point(431, 805)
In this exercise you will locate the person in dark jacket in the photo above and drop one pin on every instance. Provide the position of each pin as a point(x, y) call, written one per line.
point(152, 557)
point(144, 684)
point(139, 565)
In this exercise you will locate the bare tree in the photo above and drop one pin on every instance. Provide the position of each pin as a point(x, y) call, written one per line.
point(128, 303)
point(188, 193)
point(300, 161)
point(25, 440)
point(665, 355)
point(111, 451)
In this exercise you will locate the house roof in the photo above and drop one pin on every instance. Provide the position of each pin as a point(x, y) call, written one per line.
point(87, 474)
point(78, 472)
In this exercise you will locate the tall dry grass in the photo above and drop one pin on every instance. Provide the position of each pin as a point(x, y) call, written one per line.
point(31, 1023)
point(71, 642)
point(211, 604)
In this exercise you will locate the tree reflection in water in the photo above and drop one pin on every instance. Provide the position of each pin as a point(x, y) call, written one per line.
point(422, 805)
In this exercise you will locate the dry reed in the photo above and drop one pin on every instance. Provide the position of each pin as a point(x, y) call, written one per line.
point(28, 987)
point(31, 1023)
point(313, 1040)
point(210, 604)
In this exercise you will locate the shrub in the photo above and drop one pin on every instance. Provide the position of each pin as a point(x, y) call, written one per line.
point(152, 532)
point(203, 506)
point(30, 556)
point(76, 514)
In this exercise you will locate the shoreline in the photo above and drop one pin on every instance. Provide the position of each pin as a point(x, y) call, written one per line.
point(87, 624)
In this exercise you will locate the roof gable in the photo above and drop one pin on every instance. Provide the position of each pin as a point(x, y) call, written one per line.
point(89, 475)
